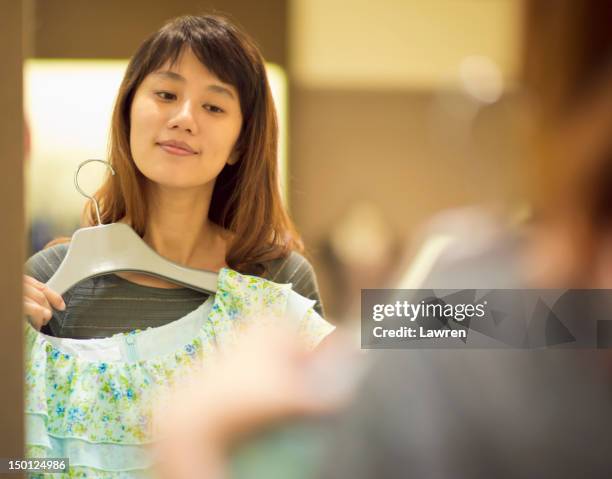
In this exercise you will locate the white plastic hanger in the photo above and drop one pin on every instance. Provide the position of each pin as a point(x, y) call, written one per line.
point(103, 249)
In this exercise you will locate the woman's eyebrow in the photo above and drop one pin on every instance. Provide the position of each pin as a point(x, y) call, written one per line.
point(213, 87)
point(170, 75)
point(221, 89)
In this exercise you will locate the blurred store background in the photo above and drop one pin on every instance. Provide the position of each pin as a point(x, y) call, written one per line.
point(393, 111)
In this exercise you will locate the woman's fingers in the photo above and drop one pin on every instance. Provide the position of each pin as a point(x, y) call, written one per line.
point(52, 298)
point(36, 295)
point(55, 299)
point(38, 301)
point(37, 314)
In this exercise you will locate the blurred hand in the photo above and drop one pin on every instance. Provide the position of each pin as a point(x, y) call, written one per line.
point(268, 375)
point(38, 300)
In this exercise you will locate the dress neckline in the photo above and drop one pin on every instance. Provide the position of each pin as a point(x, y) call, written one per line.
point(51, 341)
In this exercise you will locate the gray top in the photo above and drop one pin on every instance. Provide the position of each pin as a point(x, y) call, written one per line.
point(106, 305)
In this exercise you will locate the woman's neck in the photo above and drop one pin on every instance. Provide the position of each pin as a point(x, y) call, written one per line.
point(178, 229)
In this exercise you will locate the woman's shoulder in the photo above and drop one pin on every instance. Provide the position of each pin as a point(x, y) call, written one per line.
point(287, 269)
point(297, 270)
point(44, 264)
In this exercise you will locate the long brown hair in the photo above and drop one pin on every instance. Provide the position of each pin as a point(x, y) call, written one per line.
point(246, 198)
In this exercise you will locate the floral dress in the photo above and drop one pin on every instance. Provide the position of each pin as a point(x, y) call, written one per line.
point(90, 400)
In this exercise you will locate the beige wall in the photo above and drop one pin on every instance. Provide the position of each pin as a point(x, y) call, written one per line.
point(398, 44)
point(395, 149)
point(115, 28)
point(12, 238)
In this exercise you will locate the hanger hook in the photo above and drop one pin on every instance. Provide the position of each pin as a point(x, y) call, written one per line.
point(76, 184)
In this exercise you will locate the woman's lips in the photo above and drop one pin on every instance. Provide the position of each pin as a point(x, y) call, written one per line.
point(175, 150)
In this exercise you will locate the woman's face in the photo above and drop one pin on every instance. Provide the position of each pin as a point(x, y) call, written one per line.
point(184, 124)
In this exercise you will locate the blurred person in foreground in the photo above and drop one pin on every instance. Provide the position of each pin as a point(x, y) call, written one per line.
point(209, 417)
point(477, 414)
point(542, 413)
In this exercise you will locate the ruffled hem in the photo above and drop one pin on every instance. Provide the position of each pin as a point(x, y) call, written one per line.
point(79, 471)
point(100, 455)
point(86, 473)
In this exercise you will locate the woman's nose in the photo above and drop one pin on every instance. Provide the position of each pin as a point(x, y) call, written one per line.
point(184, 117)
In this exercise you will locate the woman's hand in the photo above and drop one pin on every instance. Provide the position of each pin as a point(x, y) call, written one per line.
point(38, 300)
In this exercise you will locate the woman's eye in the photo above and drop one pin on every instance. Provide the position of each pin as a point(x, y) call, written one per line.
point(213, 108)
point(164, 95)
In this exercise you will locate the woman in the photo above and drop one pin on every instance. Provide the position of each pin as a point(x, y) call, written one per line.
point(194, 145)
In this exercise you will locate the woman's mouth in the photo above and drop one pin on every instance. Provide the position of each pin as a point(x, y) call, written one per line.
point(175, 148)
